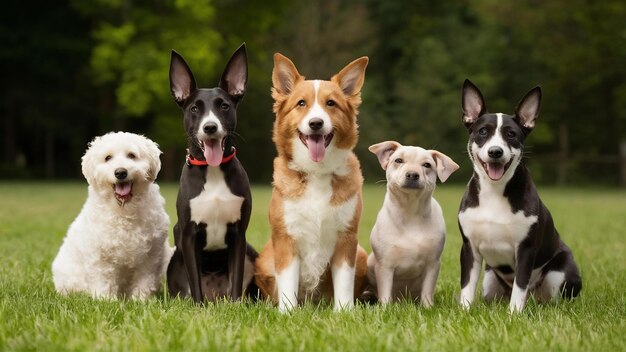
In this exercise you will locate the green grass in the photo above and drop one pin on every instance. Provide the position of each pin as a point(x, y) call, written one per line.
point(35, 216)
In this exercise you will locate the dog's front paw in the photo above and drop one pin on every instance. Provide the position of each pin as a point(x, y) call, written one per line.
point(427, 302)
point(465, 302)
point(516, 306)
point(340, 307)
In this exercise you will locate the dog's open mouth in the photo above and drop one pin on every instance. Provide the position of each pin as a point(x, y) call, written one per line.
point(316, 144)
point(213, 150)
point(123, 191)
point(496, 170)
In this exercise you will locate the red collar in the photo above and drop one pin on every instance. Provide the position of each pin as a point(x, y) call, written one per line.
point(193, 161)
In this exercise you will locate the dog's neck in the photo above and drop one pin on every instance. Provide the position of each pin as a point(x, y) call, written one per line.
point(416, 203)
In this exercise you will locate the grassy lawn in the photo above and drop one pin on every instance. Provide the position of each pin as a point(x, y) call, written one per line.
point(35, 216)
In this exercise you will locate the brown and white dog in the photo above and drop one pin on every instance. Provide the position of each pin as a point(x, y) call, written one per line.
point(316, 201)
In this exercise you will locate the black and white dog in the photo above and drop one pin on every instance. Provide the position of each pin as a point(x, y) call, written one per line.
point(212, 258)
point(501, 216)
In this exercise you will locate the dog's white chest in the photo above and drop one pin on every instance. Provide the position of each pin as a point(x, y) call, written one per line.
point(408, 242)
point(494, 230)
point(315, 224)
point(215, 206)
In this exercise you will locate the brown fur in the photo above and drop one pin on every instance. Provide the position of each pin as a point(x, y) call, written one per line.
point(289, 87)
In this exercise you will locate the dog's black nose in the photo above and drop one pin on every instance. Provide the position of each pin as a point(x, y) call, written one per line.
point(495, 152)
point(210, 128)
point(120, 173)
point(316, 123)
point(413, 176)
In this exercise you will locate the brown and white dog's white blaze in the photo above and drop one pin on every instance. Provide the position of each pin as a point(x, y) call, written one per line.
point(316, 199)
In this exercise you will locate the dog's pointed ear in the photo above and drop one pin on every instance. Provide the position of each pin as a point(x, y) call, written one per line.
point(383, 151)
point(472, 102)
point(527, 110)
point(445, 165)
point(352, 77)
point(182, 83)
point(235, 76)
point(284, 75)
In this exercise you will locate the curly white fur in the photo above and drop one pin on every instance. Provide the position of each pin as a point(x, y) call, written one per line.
point(117, 248)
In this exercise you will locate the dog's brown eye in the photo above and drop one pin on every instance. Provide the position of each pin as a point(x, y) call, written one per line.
point(224, 107)
point(107, 158)
point(398, 161)
point(426, 165)
point(511, 134)
point(301, 102)
point(194, 109)
point(330, 103)
point(131, 156)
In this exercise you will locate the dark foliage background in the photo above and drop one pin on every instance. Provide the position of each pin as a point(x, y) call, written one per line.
point(73, 69)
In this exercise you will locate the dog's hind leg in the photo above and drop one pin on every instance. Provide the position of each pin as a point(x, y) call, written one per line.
point(560, 278)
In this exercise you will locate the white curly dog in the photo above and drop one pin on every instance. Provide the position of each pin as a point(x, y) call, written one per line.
point(117, 246)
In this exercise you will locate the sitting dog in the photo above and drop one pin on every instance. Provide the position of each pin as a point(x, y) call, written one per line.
point(212, 259)
point(408, 236)
point(117, 246)
point(501, 217)
point(316, 198)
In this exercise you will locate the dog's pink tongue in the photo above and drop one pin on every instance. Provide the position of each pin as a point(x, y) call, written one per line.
point(122, 188)
point(317, 148)
point(213, 152)
point(495, 171)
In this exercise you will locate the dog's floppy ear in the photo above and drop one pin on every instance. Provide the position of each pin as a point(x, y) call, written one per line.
point(284, 75)
point(383, 151)
point(152, 154)
point(445, 165)
point(472, 102)
point(182, 82)
point(527, 110)
point(235, 76)
point(88, 162)
point(352, 77)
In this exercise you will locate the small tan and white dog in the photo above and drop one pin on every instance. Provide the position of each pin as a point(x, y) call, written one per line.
point(408, 236)
point(316, 199)
point(117, 245)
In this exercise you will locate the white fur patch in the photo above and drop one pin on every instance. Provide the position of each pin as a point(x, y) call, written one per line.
point(551, 286)
point(493, 229)
point(206, 119)
point(316, 111)
point(287, 282)
point(518, 299)
point(217, 207)
point(343, 286)
point(315, 224)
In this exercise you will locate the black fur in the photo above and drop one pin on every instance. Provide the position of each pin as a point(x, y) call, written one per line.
point(190, 262)
point(542, 245)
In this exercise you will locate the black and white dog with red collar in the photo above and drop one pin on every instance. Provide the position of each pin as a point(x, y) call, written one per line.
point(212, 258)
point(501, 218)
